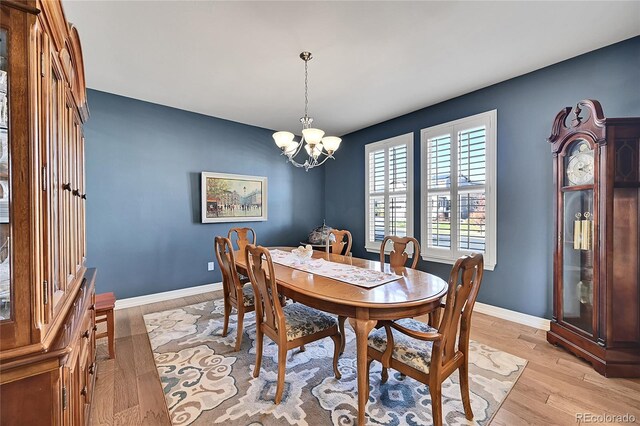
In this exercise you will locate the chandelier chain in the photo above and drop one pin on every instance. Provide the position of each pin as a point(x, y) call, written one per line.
point(306, 89)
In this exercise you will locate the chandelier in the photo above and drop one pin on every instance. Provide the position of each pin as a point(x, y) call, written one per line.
point(319, 148)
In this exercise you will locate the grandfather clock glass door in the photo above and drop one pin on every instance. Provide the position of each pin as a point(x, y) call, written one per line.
point(578, 223)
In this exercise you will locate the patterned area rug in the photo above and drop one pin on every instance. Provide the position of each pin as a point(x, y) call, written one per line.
point(206, 382)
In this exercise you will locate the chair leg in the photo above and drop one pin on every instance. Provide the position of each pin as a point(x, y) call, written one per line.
point(464, 390)
point(259, 338)
point(111, 334)
point(436, 403)
point(227, 313)
point(369, 361)
point(385, 375)
point(337, 341)
point(282, 365)
point(240, 331)
point(341, 320)
point(302, 348)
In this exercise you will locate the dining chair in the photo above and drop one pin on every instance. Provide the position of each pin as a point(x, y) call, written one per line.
point(289, 326)
point(241, 238)
point(398, 256)
point(237, 294)
point(341, 243)
point(430, 355)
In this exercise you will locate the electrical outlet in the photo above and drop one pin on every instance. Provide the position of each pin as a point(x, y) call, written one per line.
point(211, 266)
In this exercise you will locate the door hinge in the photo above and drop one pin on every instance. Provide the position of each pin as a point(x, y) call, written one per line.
point(45, 292)
point(41, 64)
point(64, 397)
point(44, 178)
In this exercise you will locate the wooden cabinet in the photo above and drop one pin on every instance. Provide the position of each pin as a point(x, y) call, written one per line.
point(47, 316)
point(596, 310)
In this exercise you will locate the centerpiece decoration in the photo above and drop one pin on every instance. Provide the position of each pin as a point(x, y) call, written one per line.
point(303, 253)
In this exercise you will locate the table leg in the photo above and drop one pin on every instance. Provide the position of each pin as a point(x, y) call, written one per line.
point(362, 327)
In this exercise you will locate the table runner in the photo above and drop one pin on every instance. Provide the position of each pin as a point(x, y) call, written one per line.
point(355, 275)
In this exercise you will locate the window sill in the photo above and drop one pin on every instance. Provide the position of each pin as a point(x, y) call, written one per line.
point(487, 266)
point(376, 250)
point(372, 249)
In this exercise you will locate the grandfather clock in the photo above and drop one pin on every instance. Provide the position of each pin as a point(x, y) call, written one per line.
point(596, 280)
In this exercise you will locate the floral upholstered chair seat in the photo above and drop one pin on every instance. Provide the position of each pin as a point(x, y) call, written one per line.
point(247, 295)
point(302, 320)
point(413, 352)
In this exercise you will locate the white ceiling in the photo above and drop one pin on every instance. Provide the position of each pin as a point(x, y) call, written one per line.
point(372, 60)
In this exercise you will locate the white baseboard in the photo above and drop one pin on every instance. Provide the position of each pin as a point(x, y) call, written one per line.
point(167, 295)
point(506, 314)
point(494, 311)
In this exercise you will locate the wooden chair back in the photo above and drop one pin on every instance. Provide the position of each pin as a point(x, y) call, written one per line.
point(260, 269)
point(398, 256)
point(226, 260)
point(342, 243)
point(242, 237)
point(464, 284)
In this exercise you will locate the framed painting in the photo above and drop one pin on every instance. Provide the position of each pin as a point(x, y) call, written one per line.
point(233, 198)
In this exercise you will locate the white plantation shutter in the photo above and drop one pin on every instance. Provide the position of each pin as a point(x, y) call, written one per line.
point(471, 217)
point(389, 189)
point(458, 181)
point(438, 184)
point(377, 186)
point(398, 167)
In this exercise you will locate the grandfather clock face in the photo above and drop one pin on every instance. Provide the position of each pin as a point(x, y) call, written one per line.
point(579, 164)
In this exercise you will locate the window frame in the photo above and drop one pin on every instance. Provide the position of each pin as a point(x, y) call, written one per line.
point(449, 256)
point(404, 139)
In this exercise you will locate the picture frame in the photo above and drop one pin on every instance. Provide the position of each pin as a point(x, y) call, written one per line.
point(227, 197)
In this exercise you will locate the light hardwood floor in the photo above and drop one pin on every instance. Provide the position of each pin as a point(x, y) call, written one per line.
point(553, 388)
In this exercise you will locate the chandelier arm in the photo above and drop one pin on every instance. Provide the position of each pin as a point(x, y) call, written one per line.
point(299, 148)
point(295, 163)
point(325, 159)
point(310, 162)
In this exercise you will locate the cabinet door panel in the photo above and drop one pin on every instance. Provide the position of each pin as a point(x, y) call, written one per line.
point(68, 210)
point(83, 223)
point(56, 87)
point(17, 210)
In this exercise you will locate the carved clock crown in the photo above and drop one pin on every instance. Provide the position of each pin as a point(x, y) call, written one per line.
point(592, 124)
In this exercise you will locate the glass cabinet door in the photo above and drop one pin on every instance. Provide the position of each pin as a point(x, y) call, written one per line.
point(578, 236)
point(5, 230)
point(577, 258)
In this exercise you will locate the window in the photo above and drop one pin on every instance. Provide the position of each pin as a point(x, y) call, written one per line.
point(458, 161)
point(389, 189)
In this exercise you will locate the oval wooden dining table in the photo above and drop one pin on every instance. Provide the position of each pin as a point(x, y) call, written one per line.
point(415, 293)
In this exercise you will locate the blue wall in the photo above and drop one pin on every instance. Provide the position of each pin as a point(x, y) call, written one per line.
point(526, 108)
point(143, 164)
